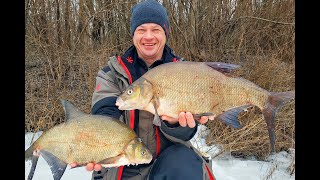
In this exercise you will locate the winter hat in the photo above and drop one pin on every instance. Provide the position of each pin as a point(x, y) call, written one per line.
point(149, 11)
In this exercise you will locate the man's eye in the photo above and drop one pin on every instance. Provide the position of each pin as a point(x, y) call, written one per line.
point(140, 30)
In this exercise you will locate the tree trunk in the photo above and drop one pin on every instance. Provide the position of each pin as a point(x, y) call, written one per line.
point(58, 22)
point(67, 33)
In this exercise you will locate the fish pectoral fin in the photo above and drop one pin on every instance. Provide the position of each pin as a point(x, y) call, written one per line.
point(56, 165)
point(114, 161)
point(156, 119)
point(34, 162)
point(230, 116)
point(222, 67)
point(198, 116)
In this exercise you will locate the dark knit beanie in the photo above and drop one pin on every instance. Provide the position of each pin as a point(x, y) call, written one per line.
point(149, 11)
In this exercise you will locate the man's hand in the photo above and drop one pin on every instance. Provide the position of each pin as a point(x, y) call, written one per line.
point(185, 118)
point(89, 166)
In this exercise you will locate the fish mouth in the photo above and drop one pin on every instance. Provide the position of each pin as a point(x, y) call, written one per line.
point(122, 105)
point(119, 103)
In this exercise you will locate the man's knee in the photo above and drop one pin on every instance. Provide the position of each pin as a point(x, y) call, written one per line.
point(177, 162)
point(180, 152)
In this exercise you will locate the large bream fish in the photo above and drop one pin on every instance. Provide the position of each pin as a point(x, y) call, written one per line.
point(202, 88)
point(85, 138)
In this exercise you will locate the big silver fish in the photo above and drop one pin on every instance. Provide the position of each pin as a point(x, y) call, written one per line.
point(85, 138)
point(204, 89)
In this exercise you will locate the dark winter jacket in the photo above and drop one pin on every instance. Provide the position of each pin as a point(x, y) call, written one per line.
point(113, 79)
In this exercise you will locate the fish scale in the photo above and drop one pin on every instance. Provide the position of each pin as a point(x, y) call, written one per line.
point(202, 88)
point(85, 138)
point(194, 82)
point(81, 146)
point(178, 94)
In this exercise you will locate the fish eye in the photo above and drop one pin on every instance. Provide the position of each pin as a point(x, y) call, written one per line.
point(143, 153)
point(130, 91)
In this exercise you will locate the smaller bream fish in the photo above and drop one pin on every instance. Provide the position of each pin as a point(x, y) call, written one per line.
point(85, 138)
point(204, 89)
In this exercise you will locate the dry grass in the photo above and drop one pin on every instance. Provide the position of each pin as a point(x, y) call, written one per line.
point(261, 41)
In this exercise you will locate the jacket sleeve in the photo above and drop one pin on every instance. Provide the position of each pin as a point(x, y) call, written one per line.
point(177, 131)
point(105, 94)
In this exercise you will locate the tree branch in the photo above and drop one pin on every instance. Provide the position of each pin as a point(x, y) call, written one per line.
point(277, 22)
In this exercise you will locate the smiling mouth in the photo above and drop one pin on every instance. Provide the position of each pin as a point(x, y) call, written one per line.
point(148, 44)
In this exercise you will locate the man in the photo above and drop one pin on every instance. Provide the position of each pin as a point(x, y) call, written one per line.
point(173, 158)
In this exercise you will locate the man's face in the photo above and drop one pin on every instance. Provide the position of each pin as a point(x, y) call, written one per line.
point(149, 40)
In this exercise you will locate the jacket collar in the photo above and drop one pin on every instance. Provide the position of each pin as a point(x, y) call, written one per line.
point(130, 58)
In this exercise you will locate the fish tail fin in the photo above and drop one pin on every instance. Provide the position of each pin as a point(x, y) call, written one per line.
point(275, 101)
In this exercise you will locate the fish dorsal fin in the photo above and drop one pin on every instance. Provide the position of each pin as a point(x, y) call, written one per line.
point(56, 165)
point(230, 116)
point(70, 110)
point(222, 67)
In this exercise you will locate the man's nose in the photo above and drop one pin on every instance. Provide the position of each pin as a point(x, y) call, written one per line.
point(148, 35)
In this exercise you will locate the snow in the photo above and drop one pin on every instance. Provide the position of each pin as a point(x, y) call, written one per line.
point(224, 166)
